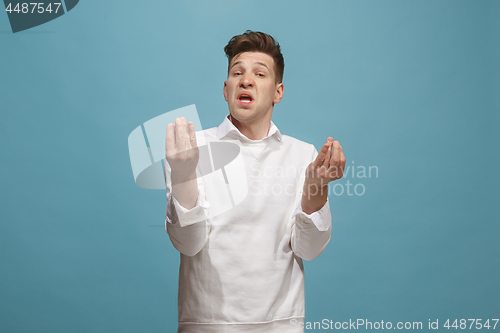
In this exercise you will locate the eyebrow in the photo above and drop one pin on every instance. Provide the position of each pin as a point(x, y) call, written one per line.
point(255, 63)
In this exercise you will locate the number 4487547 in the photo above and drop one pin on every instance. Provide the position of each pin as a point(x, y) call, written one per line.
point(32, 6)
point(462, 324)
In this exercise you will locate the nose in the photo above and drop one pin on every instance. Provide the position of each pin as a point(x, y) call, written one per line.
point(246, 81)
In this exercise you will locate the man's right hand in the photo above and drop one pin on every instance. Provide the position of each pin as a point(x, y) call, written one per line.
point(182, 154)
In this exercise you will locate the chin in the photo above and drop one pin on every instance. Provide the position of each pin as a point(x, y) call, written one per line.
point(241, 114)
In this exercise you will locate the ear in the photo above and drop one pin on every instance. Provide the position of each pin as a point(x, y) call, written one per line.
point(225, 90)
point(280, 89)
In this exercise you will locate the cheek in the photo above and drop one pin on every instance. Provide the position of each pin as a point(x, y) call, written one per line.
point(270, 92)
point(229, 89)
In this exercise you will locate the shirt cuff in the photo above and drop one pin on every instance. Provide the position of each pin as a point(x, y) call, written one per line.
point(185, 216)
point(321, 218)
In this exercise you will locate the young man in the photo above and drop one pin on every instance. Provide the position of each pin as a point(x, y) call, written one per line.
point(242, 271)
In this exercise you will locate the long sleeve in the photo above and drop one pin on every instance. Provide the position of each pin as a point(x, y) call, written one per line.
point(310, 232)
point(188, 229)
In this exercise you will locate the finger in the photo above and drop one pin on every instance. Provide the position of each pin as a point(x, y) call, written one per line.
point(342, 160)
point(170, 139)
point(322, 153)
point(192, 134)
point(321, 156)
point(326, 161)
point(181, 134)
point(335, 160)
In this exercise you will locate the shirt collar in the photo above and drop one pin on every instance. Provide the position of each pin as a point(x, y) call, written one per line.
point(227, 127)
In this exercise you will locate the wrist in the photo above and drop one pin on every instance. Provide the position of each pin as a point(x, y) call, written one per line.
point(311, 204)
point(315, 184)
point(182, 177)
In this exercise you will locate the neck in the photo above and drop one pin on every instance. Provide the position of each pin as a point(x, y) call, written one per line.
point(254, 131)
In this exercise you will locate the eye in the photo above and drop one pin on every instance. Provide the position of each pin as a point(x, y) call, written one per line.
point(260, 74)
point(236, 73)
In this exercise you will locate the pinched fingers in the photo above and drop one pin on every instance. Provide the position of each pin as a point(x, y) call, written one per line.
point(181, 136)
point(322, 154)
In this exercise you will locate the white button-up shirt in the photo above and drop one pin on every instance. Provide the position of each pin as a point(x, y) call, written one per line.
point(241, 267)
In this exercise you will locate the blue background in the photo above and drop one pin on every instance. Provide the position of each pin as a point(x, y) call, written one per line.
point(411, 87)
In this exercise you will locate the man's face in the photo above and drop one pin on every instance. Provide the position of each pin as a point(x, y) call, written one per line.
point(251, 89)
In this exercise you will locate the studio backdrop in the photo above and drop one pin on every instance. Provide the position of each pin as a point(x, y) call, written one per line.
point(409, 88)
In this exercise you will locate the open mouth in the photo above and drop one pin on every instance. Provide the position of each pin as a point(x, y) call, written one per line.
point(245, 98)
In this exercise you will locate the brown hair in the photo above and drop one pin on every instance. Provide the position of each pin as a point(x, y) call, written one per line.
point(255, 41)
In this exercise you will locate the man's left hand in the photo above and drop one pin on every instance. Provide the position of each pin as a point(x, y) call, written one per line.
point(328, 166)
